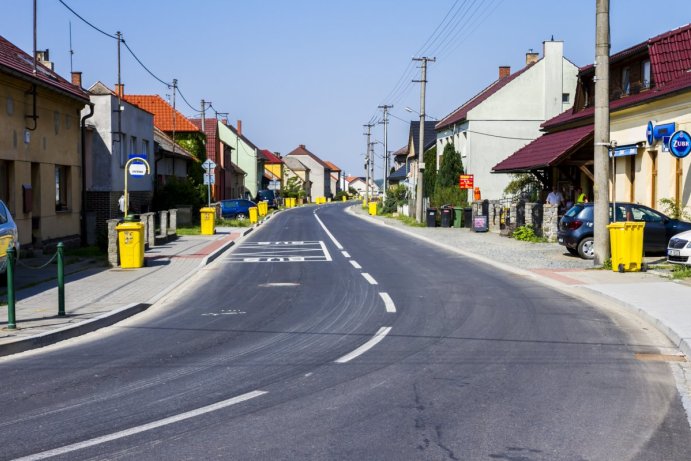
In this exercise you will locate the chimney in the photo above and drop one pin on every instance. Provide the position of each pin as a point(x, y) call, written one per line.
point(531, 57)
point(224, 121)
point(302, 146)
point(240, 127)
point(43, 56)
point(120, 90)
point(77, 79)
point(504, 71)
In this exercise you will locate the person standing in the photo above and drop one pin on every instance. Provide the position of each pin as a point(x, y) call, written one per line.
point(580, 196)
point(555, 197)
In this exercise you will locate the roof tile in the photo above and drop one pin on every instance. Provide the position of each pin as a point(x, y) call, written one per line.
point(165, 117)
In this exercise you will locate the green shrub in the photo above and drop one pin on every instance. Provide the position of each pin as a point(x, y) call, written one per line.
point(526, 234)
point(451, 195)
point(674, 210)
point(396, 195)
point(681, 272)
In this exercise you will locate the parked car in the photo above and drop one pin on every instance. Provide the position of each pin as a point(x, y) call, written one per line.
point(236, 208)
point(269, 196)
point(576, 227)
point(679, 248)
point(8, 235)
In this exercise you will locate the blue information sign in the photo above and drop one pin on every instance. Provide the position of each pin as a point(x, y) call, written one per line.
point(680, 144)
point(649, 133)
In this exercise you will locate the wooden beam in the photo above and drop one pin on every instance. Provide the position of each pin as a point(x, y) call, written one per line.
point(587, 172)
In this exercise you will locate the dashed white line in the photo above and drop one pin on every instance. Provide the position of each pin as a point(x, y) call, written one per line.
point(378, 336)
point(333, 239)
point(355, 264)
point(369, 278)
point(142, 428)
point(388, 302)
point(346, 254)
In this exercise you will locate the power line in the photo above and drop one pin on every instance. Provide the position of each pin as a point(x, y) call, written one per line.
point(194, 109)
point(142, 64)
point(87, 22)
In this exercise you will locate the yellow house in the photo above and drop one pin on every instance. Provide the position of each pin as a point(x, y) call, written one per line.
point(273, 169)
point(40, 145)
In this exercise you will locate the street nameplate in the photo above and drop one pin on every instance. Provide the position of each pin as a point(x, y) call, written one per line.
point(137, 169)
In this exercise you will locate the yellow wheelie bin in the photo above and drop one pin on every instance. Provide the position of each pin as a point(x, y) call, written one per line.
point(626, 243)
point(373, 208)
point(131, 243)
point(208, 218)
point(263, 208)
point(253, 214)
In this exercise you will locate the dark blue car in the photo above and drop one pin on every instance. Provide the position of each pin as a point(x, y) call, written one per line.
point(236, 208)
point(576, 227)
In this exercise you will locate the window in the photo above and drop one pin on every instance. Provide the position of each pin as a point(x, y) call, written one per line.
point(56, 121)
point(565, 98)
point(626, 80)
point(645, 71)
point(10, 106)
point(62, 181)
point(133, 145)
point(145, 148)
point(645, 214)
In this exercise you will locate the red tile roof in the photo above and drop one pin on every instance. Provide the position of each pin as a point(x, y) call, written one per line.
point(211, 132)
point(331, 166)
point(163, 113)
point(462, 112)
point(15, 61)
point(271, 157)
point(546, 150)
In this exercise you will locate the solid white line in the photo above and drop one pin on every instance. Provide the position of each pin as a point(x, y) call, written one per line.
point(369, 278)
point(326, 252)
point(378, 336)
point(333, 239)
point(355, 264)
point(142, 428)
point(346, 254)
point(388, 302)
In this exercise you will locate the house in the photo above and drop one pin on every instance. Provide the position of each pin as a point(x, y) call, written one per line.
point(295, 168)
point(118, 131)
point(359, 184)
point(320, 174)
point(335, 177)
point(41, 148)
point(273, 170)
point(650, 98)
point(246, 155)
point(170, 160)
point(412, 157)
point(400, 166)
point(507, 114)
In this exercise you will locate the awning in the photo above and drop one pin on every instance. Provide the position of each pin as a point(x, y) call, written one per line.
point(547, 150)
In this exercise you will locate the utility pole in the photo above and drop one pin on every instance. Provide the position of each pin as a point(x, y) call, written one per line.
point(419, 196)
point(367, 161)
point(386, 108)
point(602, 141)
point(175, 89)
point(203, 111)
point(121, 138)
point(371, 167)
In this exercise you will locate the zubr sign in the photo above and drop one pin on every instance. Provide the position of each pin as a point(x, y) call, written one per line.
point(680, 144)
point(465, 181)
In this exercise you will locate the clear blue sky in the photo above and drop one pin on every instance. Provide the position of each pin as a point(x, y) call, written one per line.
point(314, 71)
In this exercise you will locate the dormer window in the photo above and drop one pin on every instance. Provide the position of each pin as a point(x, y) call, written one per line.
point(626, 80)
point(645, 73)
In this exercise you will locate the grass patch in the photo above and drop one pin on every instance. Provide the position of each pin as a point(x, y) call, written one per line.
point(233, 222)
point(407, 220)
point(681, 272)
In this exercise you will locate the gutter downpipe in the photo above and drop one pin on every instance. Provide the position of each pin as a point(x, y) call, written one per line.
point(82, 226)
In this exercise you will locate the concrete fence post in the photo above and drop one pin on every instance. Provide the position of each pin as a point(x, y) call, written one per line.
point(112, 242)
point(173, 227)
point(163, 231)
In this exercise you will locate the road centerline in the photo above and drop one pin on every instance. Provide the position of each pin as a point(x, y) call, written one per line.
point(369, 278)
point(378, 336)
point(355, 264)
point(388, 302)
point(333, 239)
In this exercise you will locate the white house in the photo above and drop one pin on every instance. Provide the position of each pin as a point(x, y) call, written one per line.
point(320, 173)
point(507, 114)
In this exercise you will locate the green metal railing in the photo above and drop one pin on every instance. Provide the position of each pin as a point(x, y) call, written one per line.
point(11, 294)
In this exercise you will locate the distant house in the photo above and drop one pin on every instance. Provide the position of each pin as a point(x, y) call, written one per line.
point(245, 154)
point(40, 148)
point(273, 170)
point(335, 177)
point(507, 114)
point(413, 148)
point(650, 87)
point(116, 136)
point(320, 174)
point(295, 168)
point(400, 166)
point(360, 185)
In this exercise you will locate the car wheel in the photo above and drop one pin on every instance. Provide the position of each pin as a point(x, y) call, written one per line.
point(586, 248)
point(573, 251)
point(240, 216)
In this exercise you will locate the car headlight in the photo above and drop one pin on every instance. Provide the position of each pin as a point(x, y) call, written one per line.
point(688, 245)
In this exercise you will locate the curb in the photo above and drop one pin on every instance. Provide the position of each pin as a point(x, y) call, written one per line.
point(600, 299)
point(72, 331)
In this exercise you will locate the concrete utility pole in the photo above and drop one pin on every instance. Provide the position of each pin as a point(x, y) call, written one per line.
point(175, 89)
point(419, 196)
point(386, 108)
point(203, 117)
point(602, 141)
point(367, 161)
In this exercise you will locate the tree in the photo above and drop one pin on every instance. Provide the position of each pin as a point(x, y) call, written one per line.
point(293, 188)
point(430, 176)
point(451, 167)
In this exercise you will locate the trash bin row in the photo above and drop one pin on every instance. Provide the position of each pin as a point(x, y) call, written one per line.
point(450, 216)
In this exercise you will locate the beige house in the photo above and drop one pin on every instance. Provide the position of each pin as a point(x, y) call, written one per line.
point(40, 148)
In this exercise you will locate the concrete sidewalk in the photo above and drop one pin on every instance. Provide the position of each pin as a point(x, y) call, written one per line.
point(658, 299)
point(97, 296)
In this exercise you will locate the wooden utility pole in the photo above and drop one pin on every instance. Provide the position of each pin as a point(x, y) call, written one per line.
point(602, 141)
point(420, 188)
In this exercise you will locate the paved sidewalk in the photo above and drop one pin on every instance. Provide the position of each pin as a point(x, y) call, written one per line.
point(95, 296)
point(661, 301)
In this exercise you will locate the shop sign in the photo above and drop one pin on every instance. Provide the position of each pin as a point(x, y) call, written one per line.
point(680, 144)
point(623, 151)
point(466, 181)
point(654, 133)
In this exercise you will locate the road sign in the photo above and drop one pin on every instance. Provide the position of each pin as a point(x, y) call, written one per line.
point(137, 169)
point(208, 165)
point(209, 179)
point(465, 181)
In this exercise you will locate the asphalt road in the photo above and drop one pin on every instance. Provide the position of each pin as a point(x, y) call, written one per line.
point(289, 347)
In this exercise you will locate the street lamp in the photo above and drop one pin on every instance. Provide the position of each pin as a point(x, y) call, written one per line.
point(413, 111)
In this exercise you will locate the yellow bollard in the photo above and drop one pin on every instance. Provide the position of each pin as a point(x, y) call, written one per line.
point(253, 214)
point(208, 218)
point(131, 239)
point(343, 198)
point(373, 208)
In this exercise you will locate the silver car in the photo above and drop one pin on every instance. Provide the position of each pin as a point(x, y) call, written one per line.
point(8, 235)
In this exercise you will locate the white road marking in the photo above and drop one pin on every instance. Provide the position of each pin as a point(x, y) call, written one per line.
point(378, 336)
point(142, 428)
point(369, 278)
point(279, 284)
point(388, 302)
point(326, 252)
point(355, 264)
point(333, 239)
point(346, 254)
